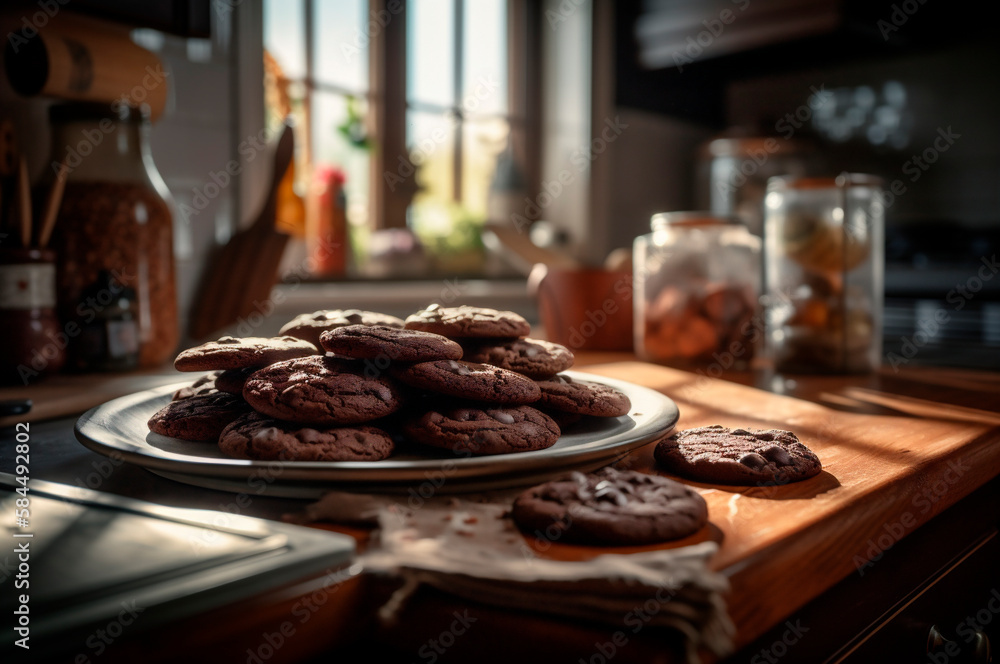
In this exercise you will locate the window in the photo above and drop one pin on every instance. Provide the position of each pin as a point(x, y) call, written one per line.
point(412, 100)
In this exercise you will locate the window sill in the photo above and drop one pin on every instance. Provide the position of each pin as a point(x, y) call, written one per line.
point(399, 298)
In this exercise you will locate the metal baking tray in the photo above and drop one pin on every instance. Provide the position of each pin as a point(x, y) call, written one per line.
point(92, 553)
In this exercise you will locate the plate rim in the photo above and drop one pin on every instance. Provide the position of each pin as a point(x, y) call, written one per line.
point(462, 468)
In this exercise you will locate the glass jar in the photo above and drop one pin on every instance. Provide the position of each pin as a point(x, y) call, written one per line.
point(697, 280)
point(34, 341)
point(738, 169)
point(115, 217)
point(823, 265)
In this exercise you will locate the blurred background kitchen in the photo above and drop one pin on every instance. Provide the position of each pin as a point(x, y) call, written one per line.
point(443, 147)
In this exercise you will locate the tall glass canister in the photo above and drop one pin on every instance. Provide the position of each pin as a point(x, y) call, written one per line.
point(115, 219)
point(823, 270)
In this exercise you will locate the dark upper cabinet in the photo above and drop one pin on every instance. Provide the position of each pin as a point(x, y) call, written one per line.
point(677, 56)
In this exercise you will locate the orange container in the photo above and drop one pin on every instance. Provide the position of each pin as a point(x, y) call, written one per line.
point(584, 309)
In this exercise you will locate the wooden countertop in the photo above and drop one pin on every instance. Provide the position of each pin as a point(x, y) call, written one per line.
point(892, 459)
point(897, 449)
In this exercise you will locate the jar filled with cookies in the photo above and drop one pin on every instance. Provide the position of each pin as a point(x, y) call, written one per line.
point(823, 263)
point(697, 282)
point(113, 235)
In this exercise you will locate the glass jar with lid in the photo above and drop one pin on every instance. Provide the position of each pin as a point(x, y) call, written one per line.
point(697, 282)
point(823, 264)
point(735, 171)
point(115, 219)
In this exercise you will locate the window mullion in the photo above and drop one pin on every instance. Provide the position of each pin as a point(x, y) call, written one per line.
point(307, 132)
point(459, 30)
point(387, 85)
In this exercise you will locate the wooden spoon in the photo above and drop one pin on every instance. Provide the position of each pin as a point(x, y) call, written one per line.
point(243, 272)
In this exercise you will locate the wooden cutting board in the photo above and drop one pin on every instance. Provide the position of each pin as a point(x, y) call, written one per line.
point(891, 462)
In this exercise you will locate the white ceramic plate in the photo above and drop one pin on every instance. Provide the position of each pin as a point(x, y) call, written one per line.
point(118, 428)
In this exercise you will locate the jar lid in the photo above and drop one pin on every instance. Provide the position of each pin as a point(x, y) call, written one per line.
point(690, 219)
point(120, 112)
point(745, 146)
point(842, 180)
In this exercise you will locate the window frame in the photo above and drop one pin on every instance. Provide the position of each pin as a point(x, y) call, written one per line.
point(388, 105)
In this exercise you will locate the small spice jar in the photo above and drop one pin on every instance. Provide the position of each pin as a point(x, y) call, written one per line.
point(697, 281)
point(115, 218)
point(34, 341)
point(823, 265)
point(109, 336)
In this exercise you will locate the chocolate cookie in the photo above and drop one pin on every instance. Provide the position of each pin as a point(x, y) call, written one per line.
point(562, 418)
point(582, 396)
point(198, 418)
point(320, 390)
point(532, 357)
point(232, 380)
point(611, 507)
point(308, 327)
point(468, 322)
point(468, 380)
point(256, 436)
point(737, 456)
point(484, 430)
point(234, 353)
point(202, 386)
point(374, 342)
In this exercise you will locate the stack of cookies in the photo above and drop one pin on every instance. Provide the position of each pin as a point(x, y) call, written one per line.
point(348, 385)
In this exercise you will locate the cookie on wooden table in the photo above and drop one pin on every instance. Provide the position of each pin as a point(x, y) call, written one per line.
point(611, 507)
point(259, 437)
point(719, 455)
point(532, 357)
point(197, 418)
point(321, 390)
point(469, 380)
point(480, 430)
point(468, 321)
point(583, 397)
point(239, 353)
point(373, 342)
point(202, 386)
point(309, 326)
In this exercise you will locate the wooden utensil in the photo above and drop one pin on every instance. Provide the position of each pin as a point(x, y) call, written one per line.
point(52, 204)
point(529, 253)
point(24, 202)
point(240, 275)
